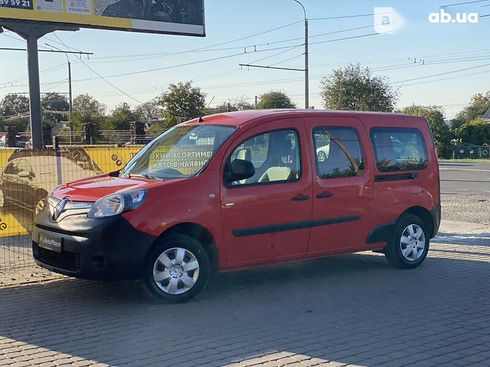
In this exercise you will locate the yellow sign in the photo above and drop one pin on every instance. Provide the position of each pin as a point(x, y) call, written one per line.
point(22, 172)
point(156, 16)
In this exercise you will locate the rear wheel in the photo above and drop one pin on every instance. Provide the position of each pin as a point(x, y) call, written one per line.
point(410, 243)
point(177, 269)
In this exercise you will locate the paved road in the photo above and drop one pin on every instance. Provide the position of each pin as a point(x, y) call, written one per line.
point(457, 177)
point(348, 310)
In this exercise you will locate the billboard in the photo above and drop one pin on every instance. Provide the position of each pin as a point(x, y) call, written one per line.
point(184, 17)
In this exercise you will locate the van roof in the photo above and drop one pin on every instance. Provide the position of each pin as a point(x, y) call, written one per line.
point(241, 118)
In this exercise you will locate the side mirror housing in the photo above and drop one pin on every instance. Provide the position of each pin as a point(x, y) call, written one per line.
point(240, 170)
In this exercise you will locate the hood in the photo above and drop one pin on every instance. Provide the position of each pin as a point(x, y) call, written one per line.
point(92, 189)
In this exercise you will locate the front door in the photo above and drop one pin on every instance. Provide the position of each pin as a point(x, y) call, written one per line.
point(264, 216)
point(342, 188)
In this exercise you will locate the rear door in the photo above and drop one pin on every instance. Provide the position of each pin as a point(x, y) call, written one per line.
point(402, 160)
point(343, 192)
point(266, 217)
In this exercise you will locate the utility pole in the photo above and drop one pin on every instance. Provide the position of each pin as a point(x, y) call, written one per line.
point(70, 92)
point(32, 32)
point(307, 72)
point(305, 69)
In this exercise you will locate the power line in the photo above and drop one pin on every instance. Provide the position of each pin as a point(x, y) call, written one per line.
point(100, 76)
point(344, 17)
point(463, 3)
point(208, 48)
point(276, 54)
point(136, 57)
point(441, 74)
point(346, 38)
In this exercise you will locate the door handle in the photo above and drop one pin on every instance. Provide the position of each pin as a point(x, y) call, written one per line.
point(324, 195)
point(301, 197)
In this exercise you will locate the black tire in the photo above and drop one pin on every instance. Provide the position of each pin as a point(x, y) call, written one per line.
point(170, 245)
point(408, 255)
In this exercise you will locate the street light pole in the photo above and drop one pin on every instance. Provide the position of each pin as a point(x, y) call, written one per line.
point(307, 72)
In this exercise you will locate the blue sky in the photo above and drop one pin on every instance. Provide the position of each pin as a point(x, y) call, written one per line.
point(460, 50)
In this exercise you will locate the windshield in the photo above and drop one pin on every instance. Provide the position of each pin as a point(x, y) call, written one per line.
point(178, 153)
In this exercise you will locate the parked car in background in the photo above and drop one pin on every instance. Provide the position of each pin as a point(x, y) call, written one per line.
point(26, 181)
point(241, 189)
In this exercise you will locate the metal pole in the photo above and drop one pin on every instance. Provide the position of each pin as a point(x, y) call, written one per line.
point(70, 107)
point(307, 72)
point(307, 76)
point(34, 93)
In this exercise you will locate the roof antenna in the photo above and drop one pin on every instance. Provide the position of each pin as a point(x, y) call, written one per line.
point(200, 119)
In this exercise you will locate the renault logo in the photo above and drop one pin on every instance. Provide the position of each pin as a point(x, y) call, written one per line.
point(60, 208)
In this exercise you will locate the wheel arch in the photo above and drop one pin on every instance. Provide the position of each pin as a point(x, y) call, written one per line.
point(424, 215)
point(200, 234)
point(384, 232)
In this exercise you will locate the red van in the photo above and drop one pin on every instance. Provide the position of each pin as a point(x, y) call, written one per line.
point(239, 189)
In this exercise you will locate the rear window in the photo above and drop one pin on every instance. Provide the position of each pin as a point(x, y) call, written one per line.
point(399, 149)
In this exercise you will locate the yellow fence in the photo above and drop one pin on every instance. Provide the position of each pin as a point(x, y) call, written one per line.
point(26, 176)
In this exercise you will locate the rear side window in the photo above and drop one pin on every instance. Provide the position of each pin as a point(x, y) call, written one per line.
point(338, 152)
point(399, 149)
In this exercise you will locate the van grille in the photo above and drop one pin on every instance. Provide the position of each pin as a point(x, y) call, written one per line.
point(63, 260)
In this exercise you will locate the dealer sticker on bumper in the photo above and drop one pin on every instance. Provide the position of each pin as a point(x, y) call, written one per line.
point(50, 242)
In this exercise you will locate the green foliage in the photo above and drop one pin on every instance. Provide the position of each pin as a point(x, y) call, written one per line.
point(87, 109)
point(20, 124)
point(120, 118)
point(182, 102)
point(354, 88)
point(150, 111)
point(275, 99)
point(51, 102)
point(239, 104)
point(157, 127)
point(479, 104)
point(475, 132)
point(14, 104)
point(440, 130)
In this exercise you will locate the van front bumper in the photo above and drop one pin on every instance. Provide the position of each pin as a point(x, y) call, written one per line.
point(99, 249)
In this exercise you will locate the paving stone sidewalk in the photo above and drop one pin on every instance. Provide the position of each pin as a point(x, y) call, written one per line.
point(346, 310)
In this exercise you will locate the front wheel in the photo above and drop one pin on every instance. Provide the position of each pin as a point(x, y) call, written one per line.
point(410, 243)
point(177, 269)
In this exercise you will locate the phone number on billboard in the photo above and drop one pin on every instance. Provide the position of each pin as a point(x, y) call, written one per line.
point(18, 4)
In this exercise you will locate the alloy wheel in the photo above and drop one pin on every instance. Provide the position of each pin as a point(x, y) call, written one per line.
point(176, 271)
point(412, 242)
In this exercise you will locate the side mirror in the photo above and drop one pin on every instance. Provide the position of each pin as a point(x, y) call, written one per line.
point(24, 174)
point(240, 170)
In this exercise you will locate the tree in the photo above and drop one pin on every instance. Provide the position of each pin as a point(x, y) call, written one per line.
point(150, 111)
point(440, 130)
point(479, 104)
point(87, 109)
point(354, 88)
point(275, 99)
point(475, 132)
point(182, 102)
point(14, 104)
point(239, 104)
point(19, 124)
point(120, 118)
point(51, 103)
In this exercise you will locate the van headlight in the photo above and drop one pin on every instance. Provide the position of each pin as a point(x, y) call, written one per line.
point(115, 204)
